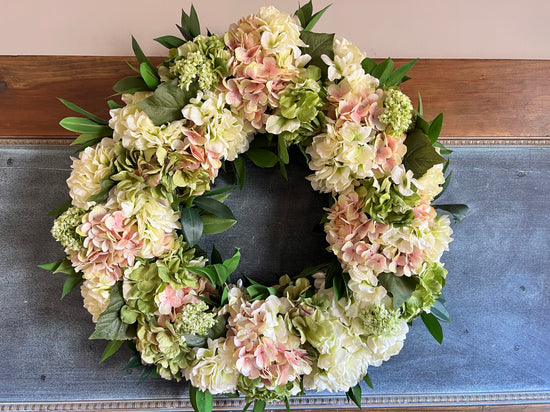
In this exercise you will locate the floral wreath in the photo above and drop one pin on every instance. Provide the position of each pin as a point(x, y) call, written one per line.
point(141, 198)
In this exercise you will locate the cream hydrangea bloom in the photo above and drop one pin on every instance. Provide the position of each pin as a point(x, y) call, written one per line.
point(91, 167)
point(347, 61)
point(95, 292)
point(430, 185)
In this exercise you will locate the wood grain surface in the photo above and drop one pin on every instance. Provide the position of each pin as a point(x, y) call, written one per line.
point(501, 99)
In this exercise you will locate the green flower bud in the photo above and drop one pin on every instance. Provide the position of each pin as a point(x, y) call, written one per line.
point(193, 319)
point(64, 228)
point(249, 388)
point(398, 112)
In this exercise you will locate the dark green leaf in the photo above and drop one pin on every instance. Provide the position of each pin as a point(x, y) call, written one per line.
point(433, 326)
point(86, 138)
point(457, 211)
point(287, 404)
point(259, 406)
point(71, 282)
point(368, 381)
point(141, 58)
point(315, 18)
point(192, 225)
point(240, 171)
point(61, 208)
point(165, 104)
point(113, 105)
point(421, 155)
point(219, 191)
point(304, 13)
point(435, 128)
point(104, 188)
point(89, 143)
point(232, 263)
point(109, 325)
point(440, 311)
point(190, 24)
point(84, 125)
point(170, 42)
point(80, 110)
point(312, 270)
point(215, 257)
point(246, 406)
point(445, 185)
point(201, 401)
point(303, 151)
point(318, 44)
point(261, 141)
point(399, 75)
point(383, 70)
point(112, 347)
point(283, 151)
point(442, 149)
point(149, 76)
point(134, 362)
point(51, 266)
point(231, 395)
point(147, 371)
point(214, 224)
point(368, 65)
point(262, 157)
point(65, 267)
point(282, 167)
point(214, 206)
point(340, 285)
point(208, 272)
point(131, 84)
point(355, 395)
point(400, 287)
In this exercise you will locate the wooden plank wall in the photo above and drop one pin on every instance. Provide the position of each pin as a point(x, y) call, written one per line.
point(482, 100)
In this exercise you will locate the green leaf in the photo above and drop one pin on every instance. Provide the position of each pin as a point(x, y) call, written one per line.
point(246, 406)
point(147, 371)
point(287, 404)
point(149, 76)
point(104, 188)
point(368, 381)
point(165, 104)
point(440, 311)
point(109, 325)
point(80, 110)
point(312, 270)
point(240, 171)
point(61, 208)
point(215, 257)
point(201, 401)
point(71, 282)
point(232, 263)
point(207, 272)
point(304, 13)
point(282, 168)
point(457, 211)
point(262, 157)
point(421, 155)
point(355, 395)
point(225, 297)
point(383, 70)
point(400, 287)
point(433, 326)
point(192, 225)
point(65, 267)
point(318, 44)
point(141, 58)
point(445, 184)
point(131, 84)
point(84, 125)
point(435, 128)
point(368, 65)
point(214, 224)
point(170, 42)
point(420, 109)
point(283, 151)
point(399, 75)
point(259, 406)
point(51, 266)
point(442, 149)
point(219, 191)
point(190, 26)
point(134, 362)
point(214, 207)
point(86, 138)
point(112, 347)
point(113, 105)
point(315, 18)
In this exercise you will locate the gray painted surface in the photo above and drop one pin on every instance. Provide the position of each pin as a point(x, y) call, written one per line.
point(498, 288)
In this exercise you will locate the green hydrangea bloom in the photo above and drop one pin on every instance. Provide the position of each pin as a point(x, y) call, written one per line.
point(203, 60)
point(398, 112)
point(159, 344)
point(385, 204)
point(379, 321)
point(249, 388)
point(430, 284)
point(64, 228)
point(194, 319)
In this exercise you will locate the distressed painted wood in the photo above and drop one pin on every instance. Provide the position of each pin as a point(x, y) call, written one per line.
point(501, 99)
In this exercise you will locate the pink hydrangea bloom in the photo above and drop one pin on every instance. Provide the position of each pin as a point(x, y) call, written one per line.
point(170, 301)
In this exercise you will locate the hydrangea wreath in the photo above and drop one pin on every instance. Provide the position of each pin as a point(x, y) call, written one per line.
point(141, 198)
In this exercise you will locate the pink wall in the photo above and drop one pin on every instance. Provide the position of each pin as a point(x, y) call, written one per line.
point(397, 28)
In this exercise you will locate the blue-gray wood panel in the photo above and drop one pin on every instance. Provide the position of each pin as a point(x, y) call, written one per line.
point(498, 286)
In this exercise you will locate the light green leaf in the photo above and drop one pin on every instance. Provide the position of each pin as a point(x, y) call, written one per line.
point(399, 75)
point(214, 207)
point(86, 138)
point(214, 224)
point(170, 42)
point(51, 266)
point(315, 18)
point(113, 105)
point(192, 225)
point(420, 109)
point(400, 287)
point(149, 76)
point(112, 347)
point(433, 326)
point(61, 208)
point(232, 263)
point(109, 325)
point(457, 211)
point(84, 125)
point(262, 157)
point(131, 84)
point(421, 155)
point(71, 283)
point(141, 58)
point(201, 401)
point(283, 151)
point(80, 110)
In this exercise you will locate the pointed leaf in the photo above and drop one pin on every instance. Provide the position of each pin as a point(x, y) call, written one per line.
point(240, 171)
point(383, 70)
point(283, 151)
point(113, 105)
point(225, 297)
point(355, 395)
point(149, 76)
point(246, 406)
point(71, 283)
point(259, 406)
point(65, 267)
point(215, 257)
point(262, 157)
point(315, 18)
point(192, 225)
point(147, 371)
point(84, 125)
point(112, 347)
point(61, 208)
point(440, 311)
point(219, 191)
point(86, 138)
point(318, 44)
point(368, 65)
point(80, 110)
point(368, 381)
point(201, 401)
point(170, 42)
point(433, 326)
point(104, 188)
point(214, 207)
point(304, 13)
point(141, 58)
point(232, 263)
point(421, 155)
point(190, 24)
point(51, 266)
point(214, 224)
point(134, 362)
point(131, 84)
point(457, 211)
point(398, 76)
point(109, 325)
point(400, 287)
point(435, 128)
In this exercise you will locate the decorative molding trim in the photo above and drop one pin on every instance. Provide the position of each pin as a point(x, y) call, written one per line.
point(317, 402)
